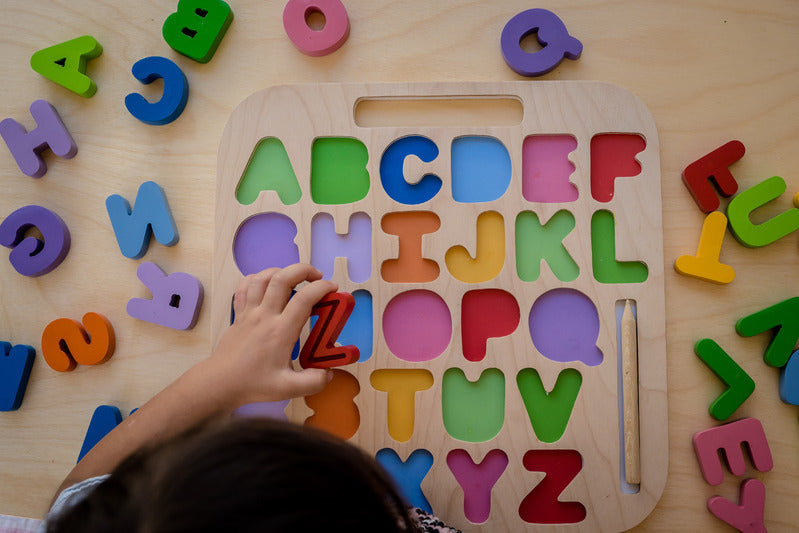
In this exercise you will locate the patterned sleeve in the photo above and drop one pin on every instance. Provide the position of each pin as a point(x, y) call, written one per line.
point(429, 523)
point(70, 497)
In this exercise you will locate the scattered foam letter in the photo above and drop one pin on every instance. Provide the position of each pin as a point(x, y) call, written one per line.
point(757, 235)
point(175, 95)
point(699, 176)
point(729, 438)
point(65, 64)
point(30, 256)
point(66, 343)
point(27, 146)
point(316, 42)
point(552, 35)
point(104, 419)
point(320, 350)
point(706, 265)
point(150, 215)
point(15, 368)
point(746, 517)
point(197, 27)
point(176, 302)
point(739, 385)
point(784, 319)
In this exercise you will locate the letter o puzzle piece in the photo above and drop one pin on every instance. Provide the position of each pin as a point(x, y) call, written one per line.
point(15, 369)
point(552, 35)
point(312, 42)
point(197, 27)
point(172, 102)
point(30, 256)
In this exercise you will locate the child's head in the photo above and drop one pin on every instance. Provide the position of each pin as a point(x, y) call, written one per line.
point(243, 475)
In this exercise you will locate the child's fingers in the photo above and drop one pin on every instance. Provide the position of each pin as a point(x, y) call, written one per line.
point(257, 285)
point(299, 308)
point(306, 382)
point(283, 282)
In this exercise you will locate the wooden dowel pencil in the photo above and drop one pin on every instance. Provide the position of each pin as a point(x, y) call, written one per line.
point(629, 354)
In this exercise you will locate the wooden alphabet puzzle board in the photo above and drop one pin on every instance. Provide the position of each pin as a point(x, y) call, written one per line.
point(488, 264)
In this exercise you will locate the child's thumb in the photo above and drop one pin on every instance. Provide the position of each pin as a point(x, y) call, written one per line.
point(310, 381)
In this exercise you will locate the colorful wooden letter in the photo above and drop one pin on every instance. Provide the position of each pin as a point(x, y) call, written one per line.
point(729, 438)
point(197, 27)
point(104, 419)
point(705, 265)
point(408, 475)
point(65, 64)
point(66, 343)
point(700, 175)
point(552, 35)
point(174, 98)
point(27, 146)
point(486, 313)
point(150, 215)
point(15, 368)
point(176, 302)
point(542, 505)
point(746, 517)
point(782, 317)
point(30, 256)
point(549, 412)
point(741, 207)
point(320, 350)
point(477, 480)
point(789, 380)
point(612, 157)
point(739, 385)
point(310, 41)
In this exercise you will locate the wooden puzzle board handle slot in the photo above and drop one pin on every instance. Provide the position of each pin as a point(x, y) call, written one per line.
point(460, 111)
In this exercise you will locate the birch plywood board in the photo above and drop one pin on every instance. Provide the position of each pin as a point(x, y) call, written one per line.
point(488, 256)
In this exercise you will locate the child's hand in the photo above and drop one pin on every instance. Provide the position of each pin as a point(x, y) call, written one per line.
point(253, 358)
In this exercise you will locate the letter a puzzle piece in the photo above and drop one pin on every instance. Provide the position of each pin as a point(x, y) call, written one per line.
point(742, 206)
point(65, 64)
point(151, 215)
point(714, 166)
point(739, 385)
point(705, 265)
point(197, 27)
point(66, 343)
point(27, 146)
point(176, 302)
point(784, 318)
point(15, 369)
point(746, 517)
point(30, 256)
point(729, 438)
point(320, 350)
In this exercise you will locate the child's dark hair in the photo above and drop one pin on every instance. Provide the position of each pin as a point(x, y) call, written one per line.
point(245, 475)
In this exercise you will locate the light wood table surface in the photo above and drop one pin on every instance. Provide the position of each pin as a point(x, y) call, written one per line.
point(708, 70)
